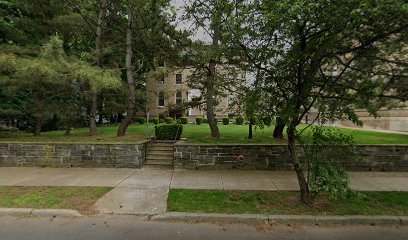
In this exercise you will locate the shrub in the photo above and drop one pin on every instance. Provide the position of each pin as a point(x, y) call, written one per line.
point(155, 120)
point(161, 120)
point(205, 120)
point(216, 120)
point(169, 120)
point(141, 120)
point(199, 120)
point(184, 120)
point(239, 121)
point(324, 157)
point(267, 121)
point(225, 121)
point(168, 131)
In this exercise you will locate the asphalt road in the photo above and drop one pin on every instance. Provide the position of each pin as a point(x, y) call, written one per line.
point(131, 227)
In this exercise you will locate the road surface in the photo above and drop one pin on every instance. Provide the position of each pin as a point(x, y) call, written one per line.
point(131, 227)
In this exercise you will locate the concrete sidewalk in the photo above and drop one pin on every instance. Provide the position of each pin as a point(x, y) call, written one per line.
point(144, 191)
point(154, 178)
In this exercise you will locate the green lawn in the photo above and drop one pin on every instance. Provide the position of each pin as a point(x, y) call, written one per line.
point(78, 198)
point(283, 202)
point(195, 134)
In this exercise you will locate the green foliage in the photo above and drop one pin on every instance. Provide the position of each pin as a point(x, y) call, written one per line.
point(225, 120)
point(169, 120)
point(184, 120)
point(239, 120)
point(155, 120)
point(216, 120)
point(199, 120)
point(141, 120)
point(267, 120)
point(52, 84)
point(168, 131)
point(328, 149)
point(205, 120)
point(161, 120)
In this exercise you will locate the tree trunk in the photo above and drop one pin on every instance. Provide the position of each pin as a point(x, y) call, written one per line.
point(215, 132)
point(250, 130)
point(98, 31)
point(280, 126)
point(92, 117)
point(211, 77)
point(37, 125)
point(68, 130)
point(131, 85)
point(94, 104)
point(305, 195)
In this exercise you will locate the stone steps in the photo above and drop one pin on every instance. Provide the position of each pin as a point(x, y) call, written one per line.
point(160, 154)
point(158, 162)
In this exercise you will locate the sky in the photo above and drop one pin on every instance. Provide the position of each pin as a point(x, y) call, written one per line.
point(179, 5)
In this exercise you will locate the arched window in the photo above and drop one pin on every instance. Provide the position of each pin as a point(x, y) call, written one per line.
point(179, 98)
point(161, 99)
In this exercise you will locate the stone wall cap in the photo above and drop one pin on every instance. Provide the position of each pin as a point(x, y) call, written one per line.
point(277, 144)
point(75, 143)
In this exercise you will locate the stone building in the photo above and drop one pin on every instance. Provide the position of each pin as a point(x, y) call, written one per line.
point(389, 119)
point(168, 88)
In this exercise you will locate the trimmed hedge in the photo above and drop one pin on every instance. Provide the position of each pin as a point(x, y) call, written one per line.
point(168, 131)
point(169, 120)
point(161, 120)
point(141, 120)
point(184, 120)
point(155, 120)
point(205, 120)
point(239, 121)
point(225, 121)
point(199, 120)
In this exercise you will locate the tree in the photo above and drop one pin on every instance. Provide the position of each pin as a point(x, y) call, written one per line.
point(129, 74)
point(150, 36)
point(209, 58)
point(51, 80)
point(329, 55)
point(41, 79)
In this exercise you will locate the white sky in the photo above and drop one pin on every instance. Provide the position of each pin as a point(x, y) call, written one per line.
point(179, 5)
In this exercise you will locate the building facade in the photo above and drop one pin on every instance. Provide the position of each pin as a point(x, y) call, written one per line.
point(168, 89)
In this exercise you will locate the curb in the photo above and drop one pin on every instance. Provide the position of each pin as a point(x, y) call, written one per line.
point(282, 219)
point(31, 212)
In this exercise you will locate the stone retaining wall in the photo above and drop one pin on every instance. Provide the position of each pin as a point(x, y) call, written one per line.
point(276, 157)
point(72, 155)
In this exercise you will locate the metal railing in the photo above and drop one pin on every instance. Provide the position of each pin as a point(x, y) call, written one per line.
point(178, 128)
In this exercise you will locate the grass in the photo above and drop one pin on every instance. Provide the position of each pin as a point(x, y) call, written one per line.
point(284, 202)
point(78, 198)
point(195, 134)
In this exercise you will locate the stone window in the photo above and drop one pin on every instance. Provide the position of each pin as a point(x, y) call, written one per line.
point(161, 99)
point(179, 98)
point(178, 79)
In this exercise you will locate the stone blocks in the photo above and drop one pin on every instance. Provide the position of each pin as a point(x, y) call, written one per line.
point(276, 157)
point(72, 155)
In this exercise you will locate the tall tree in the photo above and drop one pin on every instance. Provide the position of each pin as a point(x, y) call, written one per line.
point(41, 79)
point(209, 60)
point(330, 55)
point(129, 74)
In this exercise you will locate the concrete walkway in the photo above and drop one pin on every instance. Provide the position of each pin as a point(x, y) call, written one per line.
point(144, 191)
